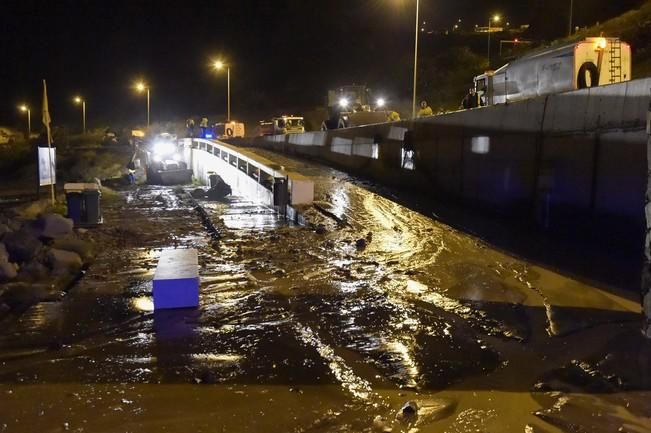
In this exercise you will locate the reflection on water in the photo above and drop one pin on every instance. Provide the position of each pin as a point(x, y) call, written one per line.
point(143, 303)
point(298, 330)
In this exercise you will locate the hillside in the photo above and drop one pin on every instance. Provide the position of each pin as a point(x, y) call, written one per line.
point(633, 27)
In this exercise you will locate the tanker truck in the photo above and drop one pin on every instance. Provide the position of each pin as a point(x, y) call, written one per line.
point(594, 61)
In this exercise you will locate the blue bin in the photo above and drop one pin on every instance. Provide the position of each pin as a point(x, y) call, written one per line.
point(74, 202)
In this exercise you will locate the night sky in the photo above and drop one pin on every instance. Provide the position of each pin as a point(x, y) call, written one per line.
point(284, 54)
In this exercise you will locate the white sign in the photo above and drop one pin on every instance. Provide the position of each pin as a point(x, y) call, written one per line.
point(46, 166)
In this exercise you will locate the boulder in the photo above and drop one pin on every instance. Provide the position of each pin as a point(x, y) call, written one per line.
point(8, 271)
point(33, 270)
point(63, 262)
point(219, 190)
point(4, 255)
point(20, 295)
point(55, 226)
point(198, 193)
point(74, 244)
point(4, 229)
point(21, 245)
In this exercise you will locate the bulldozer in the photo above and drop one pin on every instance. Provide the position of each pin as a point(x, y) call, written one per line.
point(350, 106)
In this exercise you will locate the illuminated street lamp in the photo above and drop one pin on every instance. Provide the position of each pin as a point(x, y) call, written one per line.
point(141, 87)
point(219, 65)
point(79, 100)
point(493, 19)
point(25, 109)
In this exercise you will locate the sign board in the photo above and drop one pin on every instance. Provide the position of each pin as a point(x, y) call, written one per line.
point(46, 166)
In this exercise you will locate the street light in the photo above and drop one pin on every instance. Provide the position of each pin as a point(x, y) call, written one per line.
point(496, 19)
point(219, 65)
point(24, 108)
point(141, 87)
point(413, 98)
point(79, 100)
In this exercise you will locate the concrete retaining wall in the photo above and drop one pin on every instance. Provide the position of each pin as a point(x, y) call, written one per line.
point(574, 156)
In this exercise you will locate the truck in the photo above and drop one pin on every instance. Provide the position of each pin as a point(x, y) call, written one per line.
point(350, 105)
point(594, 61)
point(286, 124)
point(226, 130)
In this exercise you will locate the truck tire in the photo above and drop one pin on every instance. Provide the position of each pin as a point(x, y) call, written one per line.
point(588, 70)
point(229, 132)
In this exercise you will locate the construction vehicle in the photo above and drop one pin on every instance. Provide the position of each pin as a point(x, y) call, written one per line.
point(164, 164)
point(350, 106)
point(595, 61)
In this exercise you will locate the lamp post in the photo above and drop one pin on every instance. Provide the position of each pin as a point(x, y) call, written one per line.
point(496, 19)
point(413, 97)
point(24, 108)
point(79, 100)
point(141, 87)
point(219, 65)
point(569, 30)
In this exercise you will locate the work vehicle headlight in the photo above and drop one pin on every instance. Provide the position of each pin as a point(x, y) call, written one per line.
point(163, 148)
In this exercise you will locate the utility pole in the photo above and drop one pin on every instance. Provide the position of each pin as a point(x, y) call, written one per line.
point(569, 30)
point(646, 270)
point(413, 97)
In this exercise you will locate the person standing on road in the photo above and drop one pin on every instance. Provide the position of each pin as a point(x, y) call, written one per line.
point(189, 126)
point(203, 126)
point(425, 110)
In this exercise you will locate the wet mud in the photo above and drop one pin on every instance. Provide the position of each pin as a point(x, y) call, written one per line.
point(332, 326)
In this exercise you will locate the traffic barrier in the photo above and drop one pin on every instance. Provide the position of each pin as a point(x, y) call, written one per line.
point(176, 280)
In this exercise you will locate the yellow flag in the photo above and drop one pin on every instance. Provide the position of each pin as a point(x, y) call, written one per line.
point(46, 114)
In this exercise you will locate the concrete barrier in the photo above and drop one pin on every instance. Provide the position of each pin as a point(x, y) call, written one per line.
point(574, 156)
point(176, 281)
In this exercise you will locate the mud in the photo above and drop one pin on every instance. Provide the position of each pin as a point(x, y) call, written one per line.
point(300, 329)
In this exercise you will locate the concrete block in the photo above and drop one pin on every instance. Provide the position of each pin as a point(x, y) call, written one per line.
point(176, 281)
point(301, 189)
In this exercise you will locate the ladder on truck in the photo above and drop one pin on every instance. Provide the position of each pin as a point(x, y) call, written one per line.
point(615, 61)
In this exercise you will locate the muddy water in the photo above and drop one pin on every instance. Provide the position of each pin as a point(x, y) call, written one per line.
point(301, 331)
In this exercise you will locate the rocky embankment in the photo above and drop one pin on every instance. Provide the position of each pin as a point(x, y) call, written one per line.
point(39, 259)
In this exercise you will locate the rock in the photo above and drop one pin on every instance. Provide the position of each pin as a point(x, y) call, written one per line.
point(198, 193)
point(360, 243)
point(4, 229)
point(33, 270)
point(218, 191)
point(55, 226)
point(63, 262)
point(4, 309)
point(71, 243)
point(21, 245)
point(4, 255)
point(20, 295)
point(381, 424)
point(8, 271)
point(409, 408)
point(320, 229)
